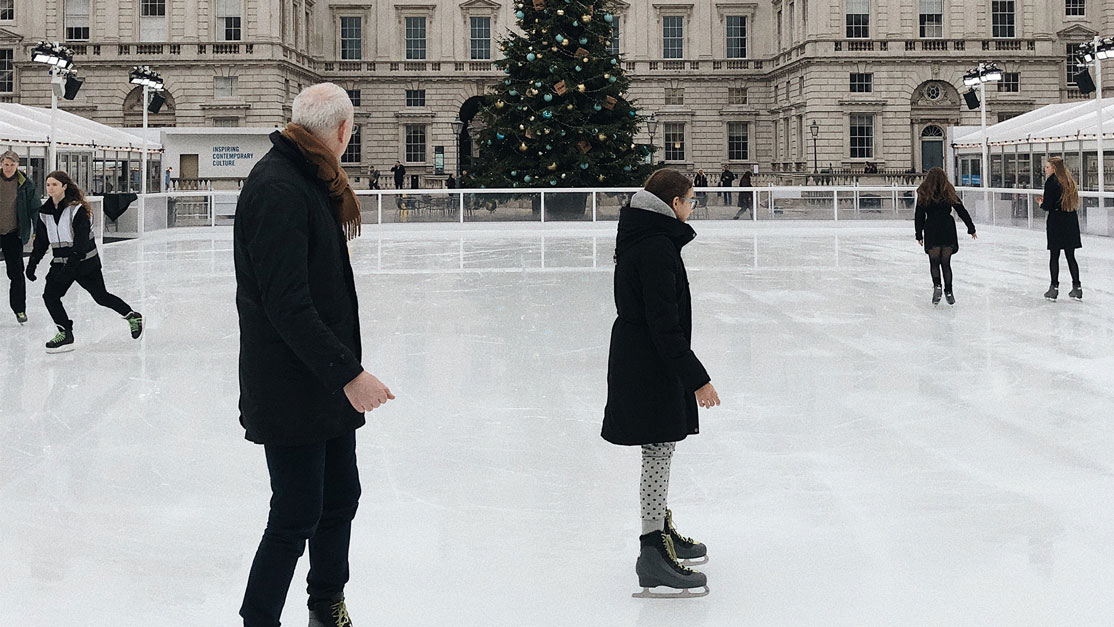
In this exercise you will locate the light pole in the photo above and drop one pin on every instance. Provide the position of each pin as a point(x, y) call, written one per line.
point(1099, 49)
point(983, 74)
point(58, 57)
point(148, 79)
point(814, 128)
point(458, 127)
point(651, 128)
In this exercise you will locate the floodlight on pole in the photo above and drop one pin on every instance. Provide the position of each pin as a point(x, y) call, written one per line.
point(149, 79)
point(1095, 52)
point(981, 75)
point(59, 58)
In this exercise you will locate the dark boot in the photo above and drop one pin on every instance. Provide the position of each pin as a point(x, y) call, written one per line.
point(685, 548)
point(329, 614)
point(657, 565)
point(62, 342)
point(1076, 291)
point(937, 292)
point(135, 323)
point(1053, 292)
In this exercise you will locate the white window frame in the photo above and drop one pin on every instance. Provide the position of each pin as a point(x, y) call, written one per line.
point(10, 72)
point(152, 28)
point(407, 131)
point(7, 5)
point(225, 87)
point(744, 143)
point(483, 43)
point(406, 39)
point(228, 9)
point(667, 144)
point(862, 26)
point(995, 31)
point(928, 9)
point(354, 151)
point(743, 26)
point(673, 24)
point(344, 25)
point(74, 18)
point(872, 146)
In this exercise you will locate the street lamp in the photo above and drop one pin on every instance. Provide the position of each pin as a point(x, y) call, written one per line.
point(149, 79)
point(1095, 51)
point(981, 75)
point(458, 127)
point(59, 58)
point(651, 128)
point(814, 128)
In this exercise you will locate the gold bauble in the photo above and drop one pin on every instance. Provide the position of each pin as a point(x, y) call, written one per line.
point(546, 131)
point(522, 127)
point(554, 48)
point(539, 55)
point(565, 42)
point(570, 107)
point(523, 147)
point(581, 88)
point(585, 18)
point(602, 137)
point(545, 30)
point(560, 12)
point(563, 175)
point(607, 76)
point(585, 59)
point(602, 177)
point(551, 167)
point(499, 104)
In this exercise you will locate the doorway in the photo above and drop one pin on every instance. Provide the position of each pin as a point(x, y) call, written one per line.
point(932, 148)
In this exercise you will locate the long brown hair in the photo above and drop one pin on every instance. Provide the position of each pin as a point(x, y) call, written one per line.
point(1069, 201)
point(668, 184)
point(936, 189)
point(73, 193)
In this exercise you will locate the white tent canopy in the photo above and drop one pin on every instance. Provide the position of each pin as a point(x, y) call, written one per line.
point(20, 124)
point(1071, 121)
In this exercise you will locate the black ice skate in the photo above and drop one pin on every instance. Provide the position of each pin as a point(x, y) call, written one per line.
point(937, 292)
point(686, 548)
point(948, 296)
point(657, 566)
point(135, 323)
point(61, 342)
point(329, 614)
point(21, 318)
point(1076, 291)
point(1053, 292)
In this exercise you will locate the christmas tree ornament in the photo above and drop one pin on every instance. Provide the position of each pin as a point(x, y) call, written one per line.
point(560, 38)
point(540, 56)
point(626, 168)
point(563, 43)
point(602, 178)
point(530, 133)
point(539, 5)
point(563, 175)
point(632, 113)
point(584, 146)
point(609, 18)
point(614, 62)
point(512, 92)
point(570, 107)
point(583, 165)
point(527, 178)
point(514, 173)
point(602, 137)
point(586, 18)
point(537, 83)
point(500, 136)
point(549, 97)
point(519, 14)
point(547, 114)
point(578, 68)
point(607, 76)
point(560, 88)
point(583, 41)
point(561, 12)
point(531, 57)
point(596, 107)
point(610, 102)
point(548, 147)
point(581, 87)
point(545, 131)
point(523, 147)
point(553, 182)
point(582, 53)
point(507, 82)
point(522, 127)
point(552, 167)
point(612, 79)
point(499, 104)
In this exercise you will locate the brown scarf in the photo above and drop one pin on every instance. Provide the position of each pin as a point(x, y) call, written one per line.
point(346, 207)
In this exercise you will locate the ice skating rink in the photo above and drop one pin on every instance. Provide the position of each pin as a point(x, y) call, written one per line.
point(876, 461)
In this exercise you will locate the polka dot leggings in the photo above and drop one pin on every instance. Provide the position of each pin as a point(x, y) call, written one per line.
point(654, 487)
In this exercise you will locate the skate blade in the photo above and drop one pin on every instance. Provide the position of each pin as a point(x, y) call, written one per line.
point(61, 349)
point(699, 561)
point(674, 593)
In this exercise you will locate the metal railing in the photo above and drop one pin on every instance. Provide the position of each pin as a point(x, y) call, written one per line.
point(994, 207)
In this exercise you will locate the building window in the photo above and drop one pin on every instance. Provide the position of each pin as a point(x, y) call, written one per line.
point(738, 141)
point(862, 83)
point(7, 10)
point(1002, 13)
point(673, 37)
point(226, 122)
point(415, 38)
point(352, 152)
point(415, 143)
point(737, 95)
point(415, 97)
point(77, 20)
point(351, 38)
point(354, 96)
point(674, 141)
point(736, 37)
point(1010, 83)
point(481, 38)
point(1075, 63)
point(152, 20)
point(858, 19)
point(932, 19)
point(224, 86)
point(1075, 8)
point(674, 96)
point(228, 20)
point(7, 70)
point(777, 91)
point(613, 43)
point(862, 136)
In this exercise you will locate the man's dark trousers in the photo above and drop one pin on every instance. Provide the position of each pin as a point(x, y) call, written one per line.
point(314, 493)
point(12, 248)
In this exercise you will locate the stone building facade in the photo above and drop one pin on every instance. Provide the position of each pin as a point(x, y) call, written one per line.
point(739, 82)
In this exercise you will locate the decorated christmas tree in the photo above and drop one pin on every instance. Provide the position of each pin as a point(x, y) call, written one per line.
point(559, 117)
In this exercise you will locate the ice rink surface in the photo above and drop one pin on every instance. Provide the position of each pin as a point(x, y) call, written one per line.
point(876, 461)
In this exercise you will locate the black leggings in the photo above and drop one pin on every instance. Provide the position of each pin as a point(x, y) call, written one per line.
point(87, 275)
point(1054, 265)
point(940, 258)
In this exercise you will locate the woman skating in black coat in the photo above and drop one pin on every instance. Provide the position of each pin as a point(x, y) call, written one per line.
point(936, 198)
point(1060, 200)
point(654, 380)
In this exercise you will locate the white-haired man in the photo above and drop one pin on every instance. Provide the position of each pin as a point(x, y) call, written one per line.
point(303, 392)
point(19, 211)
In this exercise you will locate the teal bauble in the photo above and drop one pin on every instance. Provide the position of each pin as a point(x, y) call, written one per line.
point(548, 98)
point(531, 56)
point(507, 81)
point(553, 182)
point(614, 62)
point(520, 15)
point(583, 166)
point(612, 79)
point(560, 38)
point(527, 178)
point(632, 113)
point(626, 168)
point(512, 93)
point(583, 41)
point(609, 18)
point(596, 107)
point(537, 83)
point(514, 173)
point(500, 136)
point(578, 68)
point(547, 114)
point(548, 147)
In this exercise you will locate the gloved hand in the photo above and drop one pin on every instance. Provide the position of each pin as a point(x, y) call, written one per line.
point(31, 272)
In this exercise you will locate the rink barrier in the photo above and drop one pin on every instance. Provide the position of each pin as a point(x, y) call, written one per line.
point(992, 206)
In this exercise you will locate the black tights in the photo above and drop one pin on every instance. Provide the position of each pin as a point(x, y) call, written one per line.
point(940, 258)
point(1054, 265)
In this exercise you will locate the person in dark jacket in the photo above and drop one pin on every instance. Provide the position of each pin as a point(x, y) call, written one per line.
point(19, 212)
point(65, 227)
point(746, 199)
point(400, 174)
point(654, 381)
point(1061, 200)
point(726, 178)
point(700, 180)
point(303, 392)
point(935, 226)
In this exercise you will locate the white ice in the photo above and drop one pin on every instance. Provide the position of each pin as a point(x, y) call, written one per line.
point(876, 461)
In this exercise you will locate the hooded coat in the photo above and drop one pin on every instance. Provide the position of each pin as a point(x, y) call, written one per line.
point(652, 373)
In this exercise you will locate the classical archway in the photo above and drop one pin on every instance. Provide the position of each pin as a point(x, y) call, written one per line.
point(133, 110)
point(468, 112)
point(932, 147)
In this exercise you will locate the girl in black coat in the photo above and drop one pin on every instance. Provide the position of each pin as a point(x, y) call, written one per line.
point(936, 229)
point(65, 226)
point(1060, 201)
point(654, 380)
